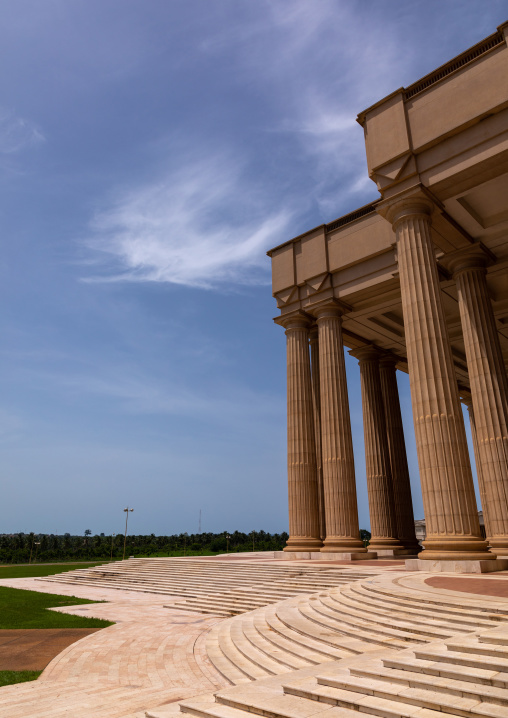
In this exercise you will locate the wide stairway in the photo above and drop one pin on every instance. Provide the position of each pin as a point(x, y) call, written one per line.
point(373, 646)
point(221, 587)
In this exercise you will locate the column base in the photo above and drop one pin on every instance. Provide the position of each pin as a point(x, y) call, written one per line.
point(394, 552)
point(335, 544)
point(302, 545)
point(416, 564)
point(328, 556)
point(344, 555)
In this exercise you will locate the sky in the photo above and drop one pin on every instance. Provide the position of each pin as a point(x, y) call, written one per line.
point(151, 151)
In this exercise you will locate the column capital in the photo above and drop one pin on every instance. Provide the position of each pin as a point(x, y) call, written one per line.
point(330, 308)
point(367, 353)
point(314, 334)
point(388, 360)
point(294, 320)
point(407, 205)
point(475, 256)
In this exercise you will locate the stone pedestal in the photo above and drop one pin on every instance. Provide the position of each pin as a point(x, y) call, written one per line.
point(341, 511)
point(324, 556)
point(416, 564)
point(383, 523)
point(489, 388)
point(398, 459)
point(453, 529)
point(302, 469)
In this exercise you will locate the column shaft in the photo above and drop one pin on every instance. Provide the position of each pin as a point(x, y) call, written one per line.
point(489, 392)
point(302, 469)
point(479, 474)
point(453, 529)
point(398, 458)
point(341, 510)
point(383, 521)
point(314, 360)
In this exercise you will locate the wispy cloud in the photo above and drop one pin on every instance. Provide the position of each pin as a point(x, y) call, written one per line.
point(200, 225)
point(17, 133)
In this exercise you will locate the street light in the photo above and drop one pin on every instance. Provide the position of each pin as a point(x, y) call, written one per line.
point(32, 548)
point(112, 537)
point(125, 537)
point(227, 542)
point(37, 543)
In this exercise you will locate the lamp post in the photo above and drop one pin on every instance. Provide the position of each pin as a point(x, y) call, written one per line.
point(227, 542)
point(37, 544)
point(125, 537)
point(32, 548)
point(253, 534)
point(112, 537)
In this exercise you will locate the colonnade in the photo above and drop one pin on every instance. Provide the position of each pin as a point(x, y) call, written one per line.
point(323, 514)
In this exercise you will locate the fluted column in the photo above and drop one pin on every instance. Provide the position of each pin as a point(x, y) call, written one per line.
point(481, 486)
point(341, 509)
point(398, 458)
point(314, 361)
point(302, 469)
point(383, 521)
point(489, 386)
point(451, 516)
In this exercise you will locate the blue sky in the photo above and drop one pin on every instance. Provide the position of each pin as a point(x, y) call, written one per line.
point(151, 151)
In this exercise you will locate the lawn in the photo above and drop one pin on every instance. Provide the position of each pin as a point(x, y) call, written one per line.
point(7, 678)
point(43, 569)
point(28, 609)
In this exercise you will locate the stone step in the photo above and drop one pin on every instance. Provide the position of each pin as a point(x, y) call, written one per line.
point(253, 653)
point(229, 649)
point(356, 592)
point(294, 619)
point(356, 631)
point(383, 700)
point(223, 665)
point(276, 653)
point(471, 644)
point(448, 670)
point(385, 623)
point(300, 639)
point(375, 670)
point(280, 642)
point(440, 654)
point(475, 607)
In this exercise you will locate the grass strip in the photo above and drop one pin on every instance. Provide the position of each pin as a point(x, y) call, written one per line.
point(7, 678)
point(28, 609)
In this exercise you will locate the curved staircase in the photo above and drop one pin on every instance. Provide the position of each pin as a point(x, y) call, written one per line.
point(373, 646)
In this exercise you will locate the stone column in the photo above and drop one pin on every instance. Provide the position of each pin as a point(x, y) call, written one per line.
point(383, 521)
point(489, 386)
point(314, 361)
point(341, 509)
point(453, 529)
point(469, 403)
point(398, 458)
point(302, 469)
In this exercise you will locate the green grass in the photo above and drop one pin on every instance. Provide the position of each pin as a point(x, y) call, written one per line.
point(28, 609)
point(43, 569)
point(7, 678)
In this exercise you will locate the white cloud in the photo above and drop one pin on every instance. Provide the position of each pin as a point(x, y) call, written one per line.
point(201, 225)
point(16, 133)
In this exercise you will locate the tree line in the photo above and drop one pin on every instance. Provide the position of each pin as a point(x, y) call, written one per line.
point(37, 548)
point(40, 548)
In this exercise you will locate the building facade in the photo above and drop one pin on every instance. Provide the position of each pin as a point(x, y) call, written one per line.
point(416, 281)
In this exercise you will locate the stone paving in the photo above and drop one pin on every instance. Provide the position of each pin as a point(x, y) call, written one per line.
point(151, 656)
